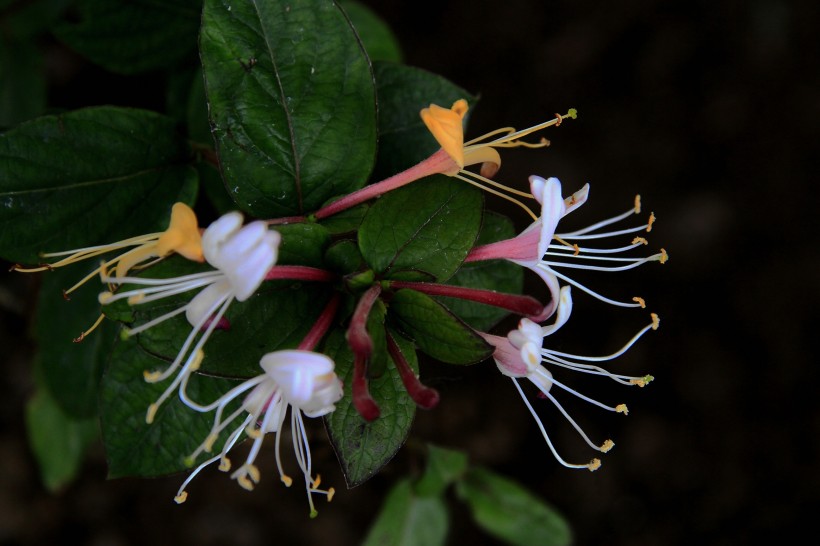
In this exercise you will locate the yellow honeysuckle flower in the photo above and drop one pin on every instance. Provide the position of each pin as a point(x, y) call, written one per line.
point(446, 126)
point(182, 237)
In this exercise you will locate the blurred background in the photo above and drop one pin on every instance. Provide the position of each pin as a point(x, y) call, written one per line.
point(709, 110)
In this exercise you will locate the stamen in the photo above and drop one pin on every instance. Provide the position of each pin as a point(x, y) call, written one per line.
point(640, 301)
point(638, 204)
point(543, 430)
point(594, 465)
point(463, 176)
point(621, 408)
point(639, 240)
point(571, 421)
point(656, 321)
point(651, 221)
point(589, 291)
point(606, 446)
point(83, 335)
point(664, 257)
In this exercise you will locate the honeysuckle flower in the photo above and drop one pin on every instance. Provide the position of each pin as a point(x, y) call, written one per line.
point(242, 257)
point(182, 237)
point(521, 354)
point(445, 124)
point(303, 381)
point(544, 251)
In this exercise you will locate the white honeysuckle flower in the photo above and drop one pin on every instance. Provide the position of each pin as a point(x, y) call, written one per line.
point(544, 251)
point(242, 256)
point(521, 355)
point(306, 382)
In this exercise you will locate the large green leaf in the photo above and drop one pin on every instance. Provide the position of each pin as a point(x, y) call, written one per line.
point(498, 275)
point(130, 36)
point(407, 519)
point(403, 91)
point(87, 177)
point(72, 371)
point(361, 447)
point(510, 512)
point(135, 448)
point(435, 330)
point(378, 39)
point(292, 101)
point(428, 226)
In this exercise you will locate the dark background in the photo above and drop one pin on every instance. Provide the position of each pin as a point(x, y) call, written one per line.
point(707, 109)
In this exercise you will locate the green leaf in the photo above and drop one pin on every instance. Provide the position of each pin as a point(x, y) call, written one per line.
point(344, 257)
point(435, 330)
point(498, 275)
point(135, 448)
point(87, 177)
point(409, 520)
point(378, 39)
point(364, 448)
point(444, 466)
point(302, 244)
point(72, 371)
point(277, 316)
point(510, 512)
point(131, 36)
point(289, 86)
point(347, 221)
point(58, 441)
point(23, 84)
point(428, 226)
point(403, 91)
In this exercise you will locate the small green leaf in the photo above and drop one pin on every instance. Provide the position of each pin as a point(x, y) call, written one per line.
point(347, 221)
point(435, 330)
point(428, 226)
point(344, 257)
point(444, 466)
point(89, 177)
point(407, 519)
point(378, 39)
point(403, 91)
point(498, 275)
point(302, 244)
point(57, 440)
point(72, 371)
point(364, 448)
point(135, 448)
point(131, 36)
point(510, 512)
point(289, 86)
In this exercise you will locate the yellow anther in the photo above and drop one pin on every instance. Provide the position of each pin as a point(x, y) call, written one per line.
point(151, 377)
point(253, 432)
point(209, 442)
point(656, 321)
point(151, 413)
point(136, 298)
point(638, 204)
point(104, 297)
point(287, 480)
point(609, 444)
point(224, 464)
point(650, 222)
point(253, 472)
point(317, 481)
point(640, 301)
point(200, 354)
point(642, 381)
point(244, 483)
point(621, 408)
point(594, 464)
point(640, 240)
point(330, 493)
point(182, 497)
point(664, 256)
point(577, 249)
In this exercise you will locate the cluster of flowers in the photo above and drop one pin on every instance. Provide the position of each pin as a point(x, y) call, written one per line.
point(244, 256)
